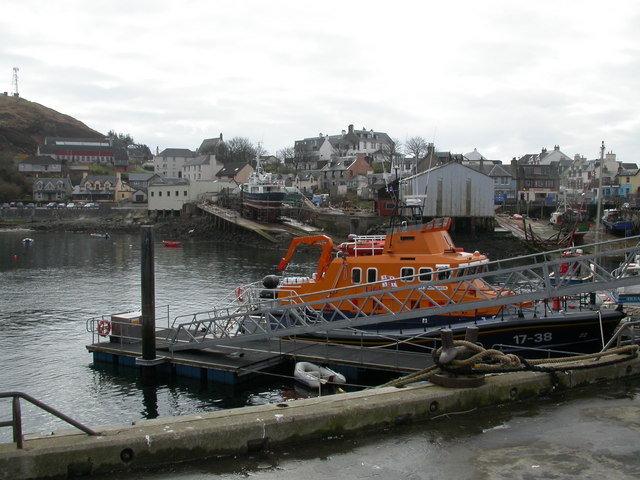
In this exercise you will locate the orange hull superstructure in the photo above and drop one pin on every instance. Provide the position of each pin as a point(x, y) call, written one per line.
point(415, 255)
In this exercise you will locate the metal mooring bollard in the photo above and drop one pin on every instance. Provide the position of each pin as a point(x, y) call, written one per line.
point(449, 352)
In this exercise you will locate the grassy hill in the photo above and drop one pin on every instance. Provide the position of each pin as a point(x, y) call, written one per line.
point(25, 124)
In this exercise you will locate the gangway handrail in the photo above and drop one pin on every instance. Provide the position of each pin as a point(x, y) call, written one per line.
point(16, 421)
point(292, 315)
point(625, 328)
point(267, 313)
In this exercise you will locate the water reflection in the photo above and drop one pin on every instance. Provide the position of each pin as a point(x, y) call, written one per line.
point(53, 286)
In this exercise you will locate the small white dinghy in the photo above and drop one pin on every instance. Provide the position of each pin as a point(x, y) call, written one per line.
point(313, 376)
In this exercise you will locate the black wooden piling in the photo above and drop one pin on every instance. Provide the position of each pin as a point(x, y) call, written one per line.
point(148, 295)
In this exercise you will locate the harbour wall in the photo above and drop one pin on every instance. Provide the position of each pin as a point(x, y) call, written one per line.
point(153, 443)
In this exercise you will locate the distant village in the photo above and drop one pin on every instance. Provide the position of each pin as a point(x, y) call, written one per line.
point(355, 163)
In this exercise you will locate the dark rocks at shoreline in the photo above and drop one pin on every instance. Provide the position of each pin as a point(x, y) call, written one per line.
point(496, 245)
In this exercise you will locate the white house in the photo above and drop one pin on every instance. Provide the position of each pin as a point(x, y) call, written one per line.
point(170, 161)
point(450, 190)
point(202, 167)
point(168, 194)
point(171, 194)
point(313, 152)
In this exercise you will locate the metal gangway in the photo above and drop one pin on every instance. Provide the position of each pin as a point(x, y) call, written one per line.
point(510, 282)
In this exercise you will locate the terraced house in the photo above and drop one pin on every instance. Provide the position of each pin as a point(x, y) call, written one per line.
point(52, 189)
point(103, 188)
point(40, 164)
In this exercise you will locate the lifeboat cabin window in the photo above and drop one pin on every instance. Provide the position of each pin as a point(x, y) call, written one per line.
point(407, 274)
point(372, 275)
point(425, 274)
point(443, 272)
point(356, 275)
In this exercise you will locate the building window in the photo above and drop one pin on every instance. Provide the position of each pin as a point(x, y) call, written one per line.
point(168, 193)
point(184, 194)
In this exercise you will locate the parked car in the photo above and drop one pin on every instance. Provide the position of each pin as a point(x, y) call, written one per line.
point(20, 205)
point(52, 205)
point(31, 205)
point(71, 205)
point(5, 205)
point(61, 205)
point(91, 205)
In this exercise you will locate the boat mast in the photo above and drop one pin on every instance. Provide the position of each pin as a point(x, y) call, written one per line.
point(599, 208)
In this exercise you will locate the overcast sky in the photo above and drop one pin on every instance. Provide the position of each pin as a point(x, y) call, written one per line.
point(505, 77)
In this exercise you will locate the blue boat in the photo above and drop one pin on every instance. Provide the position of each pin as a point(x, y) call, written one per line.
point(616, 224)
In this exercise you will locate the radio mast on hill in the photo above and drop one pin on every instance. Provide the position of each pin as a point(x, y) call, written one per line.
point(14, 82)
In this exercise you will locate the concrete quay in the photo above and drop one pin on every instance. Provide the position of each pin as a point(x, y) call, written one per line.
point(153, 443)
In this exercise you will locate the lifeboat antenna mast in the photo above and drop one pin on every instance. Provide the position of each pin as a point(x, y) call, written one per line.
point(599, 204)
point(14, 82)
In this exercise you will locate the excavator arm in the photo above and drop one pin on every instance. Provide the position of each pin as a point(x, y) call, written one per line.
point(325, 256)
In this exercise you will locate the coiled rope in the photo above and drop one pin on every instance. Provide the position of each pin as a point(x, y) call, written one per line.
point(495, 361)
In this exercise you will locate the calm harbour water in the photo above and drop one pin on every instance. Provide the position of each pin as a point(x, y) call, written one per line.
point(52, 287)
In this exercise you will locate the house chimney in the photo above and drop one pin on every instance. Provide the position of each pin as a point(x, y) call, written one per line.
point(351, 128)
point(221, 136)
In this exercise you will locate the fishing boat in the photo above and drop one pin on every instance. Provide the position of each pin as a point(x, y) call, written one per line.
point(614, 223)
point(262, 196)
point(100, 235)
point(571, 222)
point(419, 268)
point(27, 241)
point(171, 244)
point(313, 376)
point(629, 295)
point(571, 272)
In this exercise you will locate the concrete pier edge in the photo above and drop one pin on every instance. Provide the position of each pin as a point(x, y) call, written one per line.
point(153, 443)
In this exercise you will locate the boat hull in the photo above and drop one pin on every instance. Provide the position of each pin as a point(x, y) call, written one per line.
point(575, 332)
point(262, 206)
point(619, 228)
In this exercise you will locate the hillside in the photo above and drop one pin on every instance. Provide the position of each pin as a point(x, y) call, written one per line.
point(25, 124)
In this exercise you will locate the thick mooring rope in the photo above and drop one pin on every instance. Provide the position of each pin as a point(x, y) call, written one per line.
point(495, 361)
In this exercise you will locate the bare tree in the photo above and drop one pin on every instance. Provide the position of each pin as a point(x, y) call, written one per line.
point(392, 155)
point(239, 150)
point(286, 155)
point(341, 148)
point(417, 147)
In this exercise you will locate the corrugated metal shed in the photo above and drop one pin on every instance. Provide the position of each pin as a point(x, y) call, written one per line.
point(451, 190)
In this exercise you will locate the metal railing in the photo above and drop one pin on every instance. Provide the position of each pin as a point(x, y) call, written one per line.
point(627, 334)
point(16, 421)
point(505, 283)
point(125, 327)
